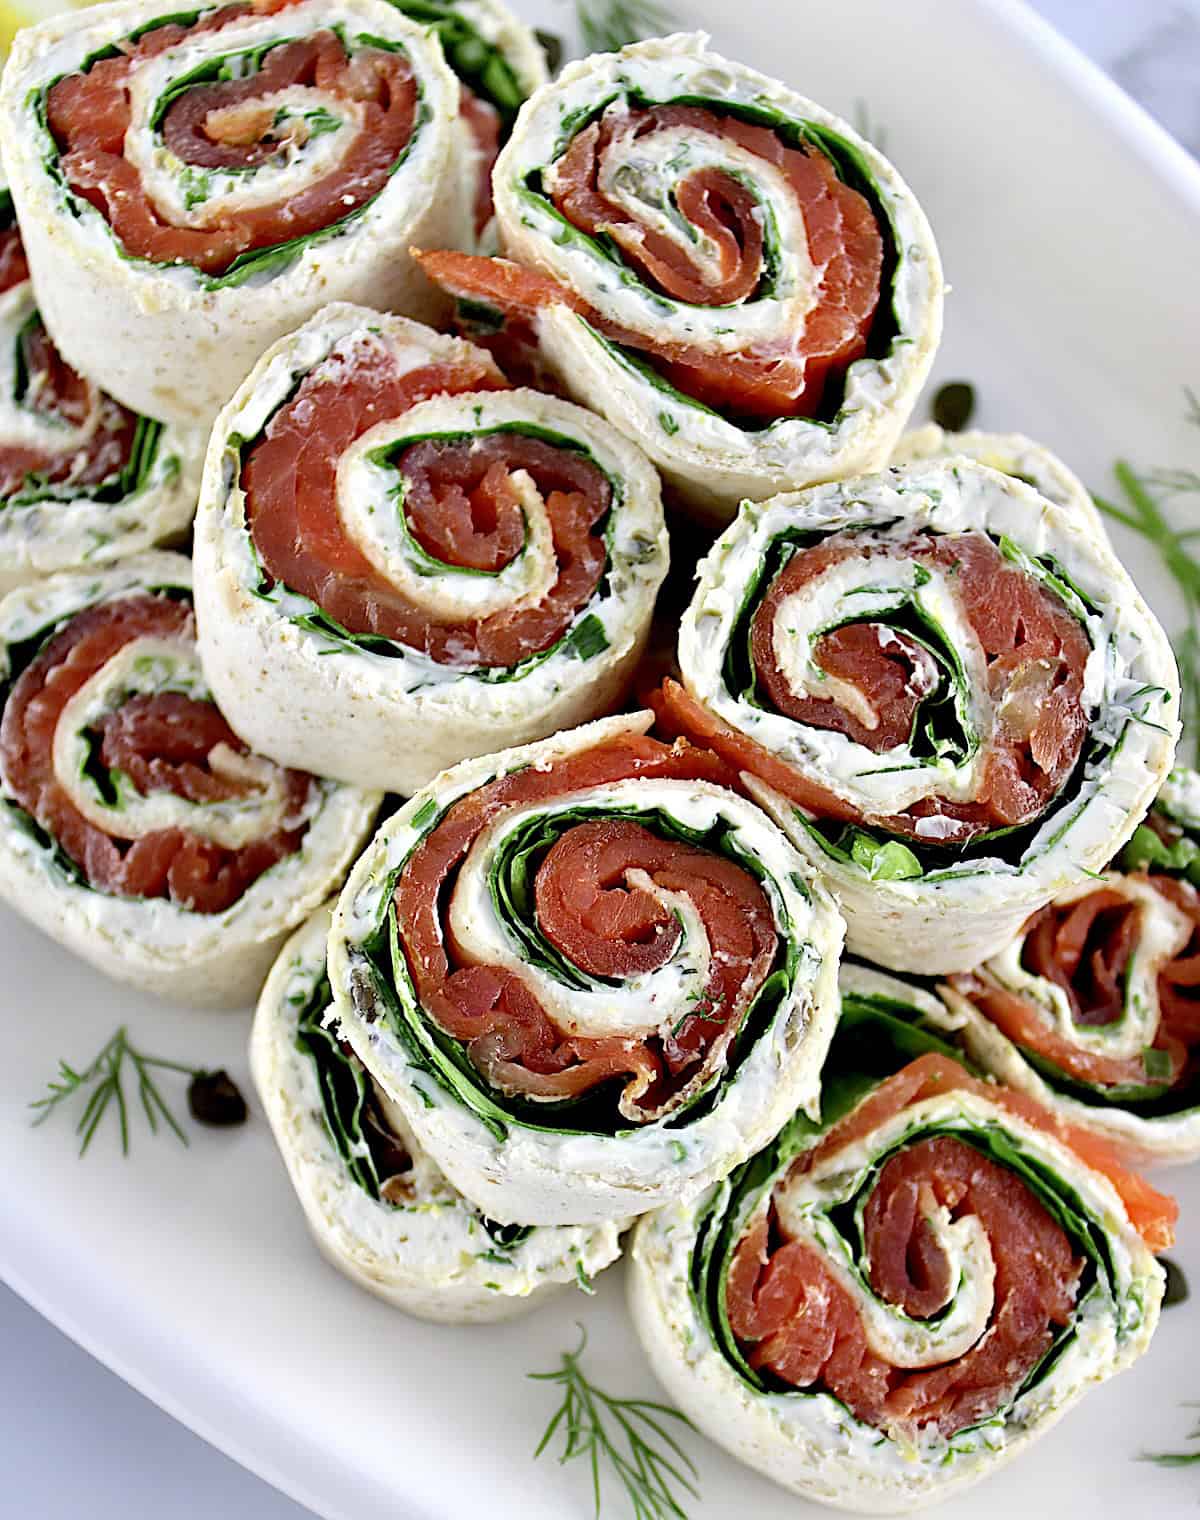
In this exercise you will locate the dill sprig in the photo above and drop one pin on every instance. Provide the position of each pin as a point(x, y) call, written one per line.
point(607, 25)
point(1176, 1458)
point(630, 1435)
point(1142, 509)
point(106, 1072)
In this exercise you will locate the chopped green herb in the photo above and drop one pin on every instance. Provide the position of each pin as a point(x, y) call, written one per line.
point(1156, 1064)
point(587, 639)
point(1176, 1458)
point(196, 187)
point(425, 813)
point(321, 121)
point(890, 861)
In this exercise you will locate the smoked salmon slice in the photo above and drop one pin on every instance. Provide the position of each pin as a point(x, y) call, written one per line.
point(1036, 656)
point(1151, 1213)
point(53, 389)
point(13, 268)
point(231, 125)
point(163, 742)
point(1084, 947)
point(484, 124)
point(459, 503)
point(784, 377)
point(795, 1319)
point(844, 244)
point(802, 1325)
point(1178, 982)
point(592, 906)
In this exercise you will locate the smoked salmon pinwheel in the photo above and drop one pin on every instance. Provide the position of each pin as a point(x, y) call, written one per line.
point(1011, 454)
point(884, 1307)
point(83, 480)
point(590, 977)
point(192, 185)
point(400, 562)
point(943, 686)
point(136, 828)
point(378, 1207)
point(1094, 1007)
point(728, 272)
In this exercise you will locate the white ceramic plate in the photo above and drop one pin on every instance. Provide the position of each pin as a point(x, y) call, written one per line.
point(1070, 227)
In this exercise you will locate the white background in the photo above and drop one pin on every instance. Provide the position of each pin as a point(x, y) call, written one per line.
point(74, 1439)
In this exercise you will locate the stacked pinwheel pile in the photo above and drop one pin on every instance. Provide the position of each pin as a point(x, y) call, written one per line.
point(852, 961)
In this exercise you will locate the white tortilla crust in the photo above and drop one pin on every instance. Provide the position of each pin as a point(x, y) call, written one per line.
point(1011, 454)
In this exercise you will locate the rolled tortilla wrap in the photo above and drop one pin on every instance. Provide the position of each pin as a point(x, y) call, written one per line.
point(399, 563)
point(884, 1307)
point(732, 274)
point(377, 1205)
point(190, 189)
point(1092, 1007)
point(591, 977)
point(944, 687)
point(136, 829)
point(83, 480)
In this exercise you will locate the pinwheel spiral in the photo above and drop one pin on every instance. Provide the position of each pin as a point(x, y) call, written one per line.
point(391, 544)
point(588, 974)
point(191, 186)
point(137, 828)
point(1093, 1008)
point(730, 273)
point(378, 1206)
point(882, 1308)
point(83, 480)
point(943, 686)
